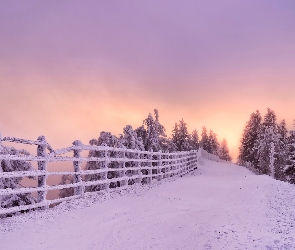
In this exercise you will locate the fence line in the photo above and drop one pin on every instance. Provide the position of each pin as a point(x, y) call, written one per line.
point(128, 166)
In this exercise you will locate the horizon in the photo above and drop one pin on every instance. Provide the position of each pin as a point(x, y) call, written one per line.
point(70, 70)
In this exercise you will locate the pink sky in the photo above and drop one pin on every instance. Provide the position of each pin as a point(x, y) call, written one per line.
point(70, 69)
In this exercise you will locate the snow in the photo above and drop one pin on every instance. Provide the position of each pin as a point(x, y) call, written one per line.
point(218, 206)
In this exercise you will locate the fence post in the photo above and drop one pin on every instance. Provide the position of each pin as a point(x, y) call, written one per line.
point(171, 167)
point(192, 160)
point(42, 166)
point(138, 165)
point(107, 185)
point(186, 168)
point(179, 164)
point(123, 173)
point(159, 170)
point(77, 167)
point(196, 159)
point(179, 167)
point(150, 165)
point(183, 163)
point(166, 163)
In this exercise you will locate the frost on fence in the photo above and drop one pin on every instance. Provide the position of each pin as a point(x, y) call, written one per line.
point(107, 168)
point(12, 182)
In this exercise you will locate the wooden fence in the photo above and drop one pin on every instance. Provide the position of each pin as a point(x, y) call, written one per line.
point(130, 166)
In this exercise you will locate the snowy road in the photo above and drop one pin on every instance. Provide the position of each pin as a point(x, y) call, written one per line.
point(219, 206)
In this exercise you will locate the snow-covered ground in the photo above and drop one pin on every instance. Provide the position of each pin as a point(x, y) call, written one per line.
point(219, 206)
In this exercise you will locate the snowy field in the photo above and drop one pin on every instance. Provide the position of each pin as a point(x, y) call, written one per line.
point(219, 206)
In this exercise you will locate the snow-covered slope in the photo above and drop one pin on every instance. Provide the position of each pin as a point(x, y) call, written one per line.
point(219, 206)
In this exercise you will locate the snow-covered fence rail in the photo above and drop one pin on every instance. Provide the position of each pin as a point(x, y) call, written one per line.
point(114, 168)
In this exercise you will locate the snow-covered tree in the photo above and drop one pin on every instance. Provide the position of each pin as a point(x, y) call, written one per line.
point(272, 160)
point(204, 143)
point(247, 151)
point(175, 133)
point(224, 152)
point(13, 183)
point(283, 150)
point(213, 143)
point(105, 139)
point(130, 140)
point(181, 137)
point(194, 140)
point(269, 146)
point(289, 169)
point(153, 134)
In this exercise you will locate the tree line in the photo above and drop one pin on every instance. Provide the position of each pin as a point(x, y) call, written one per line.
point(149, 136)
point(267, 147)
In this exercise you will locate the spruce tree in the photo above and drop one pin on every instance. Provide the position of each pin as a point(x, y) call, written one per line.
point(247, 151)
point(204, 143)
point(283, 151)
point(268, 146)
point(289, 170)
point(175, 135)
point(194, 140)
point(180, 136)
point(130, 139)
point(153, 134)
point(213, 143)
point(224, 152)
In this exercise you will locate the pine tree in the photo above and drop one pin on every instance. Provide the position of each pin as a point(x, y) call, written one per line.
point(269, 146)
point(204, 143)
point(12, 200)
point(180, 136)
point(213, 143)
point(248, 154)
point(283, 151)
point(224, 152)
point(130, 139)
point(194, 140)
point(153, 134)
point(290, 166)
point(175, 135)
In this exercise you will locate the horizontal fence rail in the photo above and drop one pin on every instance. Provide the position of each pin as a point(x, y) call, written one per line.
point(130, 167)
